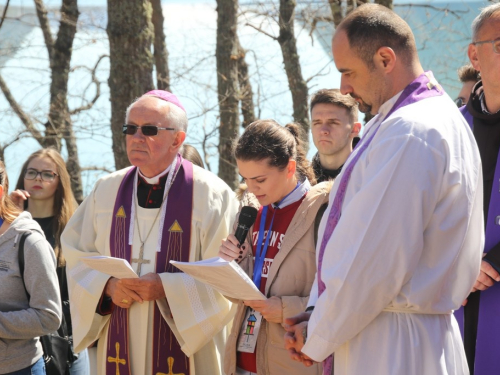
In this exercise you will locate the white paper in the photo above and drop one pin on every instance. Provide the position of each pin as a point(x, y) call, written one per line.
point(228, 278)
point(116, 267)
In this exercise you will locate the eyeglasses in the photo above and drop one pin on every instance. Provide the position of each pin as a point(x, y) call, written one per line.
point(146, 129)
point(31, 174)
point(496, 44)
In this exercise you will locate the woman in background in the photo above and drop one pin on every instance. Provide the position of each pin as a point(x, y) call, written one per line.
point(272, 162)
point(44, 190)
point(23, 318)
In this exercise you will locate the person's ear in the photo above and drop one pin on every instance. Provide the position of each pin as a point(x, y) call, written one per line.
point(180, 137)
point(291, 168)
point(474, 60)
point(356, 128)
point(385, 58)
point(1, 191)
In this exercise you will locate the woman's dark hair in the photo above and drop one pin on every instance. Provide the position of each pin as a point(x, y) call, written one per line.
point(64, 200)
point(266, 139)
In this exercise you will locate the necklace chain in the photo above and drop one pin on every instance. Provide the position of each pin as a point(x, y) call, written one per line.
point(157, 214)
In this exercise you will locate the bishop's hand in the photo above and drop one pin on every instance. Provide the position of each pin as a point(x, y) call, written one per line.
point(120, 294)
point(149, 287)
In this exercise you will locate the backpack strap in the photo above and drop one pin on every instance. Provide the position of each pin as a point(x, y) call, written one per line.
point(20, 254)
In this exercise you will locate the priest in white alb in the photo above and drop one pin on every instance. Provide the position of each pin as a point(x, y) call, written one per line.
point(400, 244)
point(163, 208)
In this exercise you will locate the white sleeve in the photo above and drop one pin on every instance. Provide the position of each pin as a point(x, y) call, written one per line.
point(196, 312)
point(85, 286)
point(377, 242)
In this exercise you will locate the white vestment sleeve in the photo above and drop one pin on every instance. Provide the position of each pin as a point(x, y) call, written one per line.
point(313, 296)
point(378, 241)
point(196, 312)
point(85, 285)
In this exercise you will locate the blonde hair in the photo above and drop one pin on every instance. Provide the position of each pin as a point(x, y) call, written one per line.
point(8, 210)
point(64, 200)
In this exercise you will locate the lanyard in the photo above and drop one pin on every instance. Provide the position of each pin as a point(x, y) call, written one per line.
point(261, 251)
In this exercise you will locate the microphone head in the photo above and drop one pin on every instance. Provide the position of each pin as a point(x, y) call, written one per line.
point(247, 216)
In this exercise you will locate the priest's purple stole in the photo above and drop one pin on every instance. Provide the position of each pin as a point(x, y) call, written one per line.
point(168, 358)
point(487, 360)
point(423, 87)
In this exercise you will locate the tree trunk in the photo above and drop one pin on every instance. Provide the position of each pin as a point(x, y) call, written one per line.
point(160, 48)
point(386, 3)
point(336, 8)
point(130, 34)
point(246, 92)
point(227, 84)
point(297, 85)
point(59, 117)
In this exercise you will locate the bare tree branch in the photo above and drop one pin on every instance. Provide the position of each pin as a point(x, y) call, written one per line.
point(456, 13)
point(96, 168)
point(97, 83)
point(25, 119)
point(41, 12)
point(261, 31)
point(160, 48)
point(4, 13)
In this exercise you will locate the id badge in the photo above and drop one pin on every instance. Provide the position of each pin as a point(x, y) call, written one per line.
point(249, 331)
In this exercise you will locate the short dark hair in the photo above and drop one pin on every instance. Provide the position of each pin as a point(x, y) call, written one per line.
point(467, 73)
point(335, 97)
point(266, 139)
point(372, 26)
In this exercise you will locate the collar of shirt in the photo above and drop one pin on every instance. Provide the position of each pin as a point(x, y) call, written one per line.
point(381, 114)
point(296, 195)
point(156, 179)
point(483, 103)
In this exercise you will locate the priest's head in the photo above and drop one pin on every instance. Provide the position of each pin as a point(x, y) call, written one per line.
point(375, 51)
point(155, 128)
point(484, 53)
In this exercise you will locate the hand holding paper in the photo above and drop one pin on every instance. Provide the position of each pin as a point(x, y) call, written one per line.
point(226, 277)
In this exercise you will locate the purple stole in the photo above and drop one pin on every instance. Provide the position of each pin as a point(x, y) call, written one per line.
point(168, 358)
point(488, 328)
point(425, 86)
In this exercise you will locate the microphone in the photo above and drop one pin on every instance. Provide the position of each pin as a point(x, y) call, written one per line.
point(245, 221)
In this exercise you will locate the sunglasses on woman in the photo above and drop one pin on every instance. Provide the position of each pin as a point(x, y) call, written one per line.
point(146, 129)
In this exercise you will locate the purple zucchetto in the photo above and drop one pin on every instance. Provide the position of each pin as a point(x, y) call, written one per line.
point(167, 96)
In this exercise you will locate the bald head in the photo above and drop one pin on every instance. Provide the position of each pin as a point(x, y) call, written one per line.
point(372, 26)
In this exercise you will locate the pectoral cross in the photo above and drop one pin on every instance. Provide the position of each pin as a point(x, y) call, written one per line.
point(141, 260)
point(170, 361)
point(117, 360)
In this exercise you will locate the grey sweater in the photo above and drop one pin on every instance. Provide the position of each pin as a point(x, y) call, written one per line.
point(22, 321)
